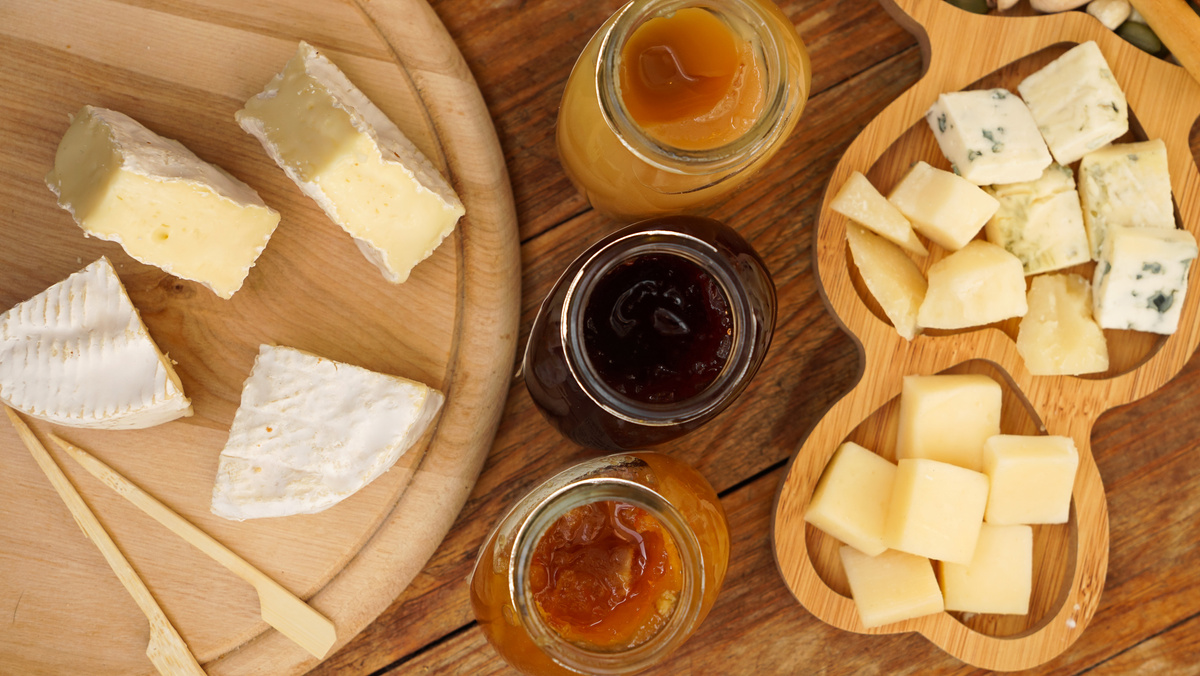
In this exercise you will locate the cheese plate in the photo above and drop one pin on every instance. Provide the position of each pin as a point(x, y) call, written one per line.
point(964, 51)
point(184, 70)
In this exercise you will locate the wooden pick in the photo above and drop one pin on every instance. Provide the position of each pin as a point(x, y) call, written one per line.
point(166, 650)
point(1178, 27)
point(280, 608)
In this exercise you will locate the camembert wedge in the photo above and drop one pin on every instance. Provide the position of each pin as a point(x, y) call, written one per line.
point(78, 355)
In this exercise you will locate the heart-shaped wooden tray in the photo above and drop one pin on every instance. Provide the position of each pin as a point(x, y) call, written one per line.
point(967, 51)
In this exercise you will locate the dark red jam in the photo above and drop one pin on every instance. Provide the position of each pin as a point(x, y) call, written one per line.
point(657, 328)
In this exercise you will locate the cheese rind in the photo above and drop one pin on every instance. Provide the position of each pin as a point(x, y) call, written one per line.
point(1040, 222)
point(78, 355)
point(1059, 336)
point(1141, 278)
point(1125, 185)
point(979, 284)
point(989, 136)
point(936, 510)
point(158, 200)
point(852, 497)
point(999, 578)
point(1031, 478)
point(345, 154)
point(859, 201)
point(310, 432)
point(891, 587)
point(947, 209)
point(948, 418)
point(892, 278)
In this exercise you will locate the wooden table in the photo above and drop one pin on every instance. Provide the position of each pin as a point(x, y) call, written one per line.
point(1148, 453)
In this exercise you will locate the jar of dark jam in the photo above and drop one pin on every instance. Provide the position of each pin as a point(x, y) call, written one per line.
point(606, 568)
point(650, 333)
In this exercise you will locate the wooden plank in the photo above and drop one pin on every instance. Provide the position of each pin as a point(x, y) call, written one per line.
point(1175, 651)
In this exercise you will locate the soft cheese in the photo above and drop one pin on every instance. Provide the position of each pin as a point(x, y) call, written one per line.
point(999, 578)
point(1040, 222)
point(165, 206)
point(891, 587)
point(1126, 185)
point(852, 498)
point(989, 136)
point(1141, 278)
point(78, 355)
point(311, 432)
point(892, 278)
point(344, 153)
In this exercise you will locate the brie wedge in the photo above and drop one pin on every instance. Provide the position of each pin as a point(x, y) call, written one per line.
point(165, 206)
point(345, 154)
point(310, 432)
point(78, 355)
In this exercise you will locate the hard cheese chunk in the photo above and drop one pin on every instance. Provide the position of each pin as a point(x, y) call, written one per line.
point(78, 355)
point(891, 587)
point(1125, 185)
point(1059, 336)
point(859, 201)
point(936, 510)
point(947, 418)
point(343, 152)
point(852, 498)
point(165, 206)
point(1141, 278)
point(1040, 222)
point(999, 578)
point(310, 432)
point(989, 136)
point(979, 284)
point(1031, 478)
point(1077, 103)
point(947, 209)
point(891, 277)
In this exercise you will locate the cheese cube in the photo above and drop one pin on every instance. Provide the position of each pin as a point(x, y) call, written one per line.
point(852, 498)
point(1040, 222)
point(936, 510)
point(1141, 278)
point(988, 136)
point(947, 209)
point(1125, 185)
point(162, 204)
point(859, 201)
point(345, 154)
point(891, 587)
point(891, 277)
point(1059, 336)
point(947, 418)
point(1031, 478)
point(979, 284)
point(1077, 103)
point(999, 578)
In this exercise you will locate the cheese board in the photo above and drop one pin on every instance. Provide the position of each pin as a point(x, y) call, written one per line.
point(183, 70)
point(967, 51)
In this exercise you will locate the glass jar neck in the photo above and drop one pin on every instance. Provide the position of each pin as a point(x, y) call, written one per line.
point(580, 658)
point(749, 21)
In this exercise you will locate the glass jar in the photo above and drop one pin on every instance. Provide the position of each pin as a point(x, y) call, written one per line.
point(560, 368)
point(672, 492)
point(626, 172)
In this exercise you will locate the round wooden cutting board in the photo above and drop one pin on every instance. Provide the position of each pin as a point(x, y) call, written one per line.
point(183, 69)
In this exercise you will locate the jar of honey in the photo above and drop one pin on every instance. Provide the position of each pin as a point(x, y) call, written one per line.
point(650, 333)
point(674, 103)
point(606, 568)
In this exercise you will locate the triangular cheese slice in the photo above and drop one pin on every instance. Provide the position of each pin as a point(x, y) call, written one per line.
point(310, 432)
point(78, 355)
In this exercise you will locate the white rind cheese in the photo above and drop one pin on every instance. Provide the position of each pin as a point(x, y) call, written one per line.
point(310, 432)
point(1040, 222)
point(989, 136)
point(1077, 103)
point(1059, 335)
point(892, 278)
point(1141, 278)
point(345, 154)
point(78, 355)
point(947, 209)
point(1127, 185)
point(859, 201)
point(979, 284)
point(164, 205)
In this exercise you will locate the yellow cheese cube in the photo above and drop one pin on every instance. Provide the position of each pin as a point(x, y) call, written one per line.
point(980, 284)
point(859, 201)
point(1031, 478)
point(1058, 335)
point(891, 587)
point(891, 276)
point(947, 418)
point(947, 209)
point(852, 498)
point(936, 510)
point(999, 578)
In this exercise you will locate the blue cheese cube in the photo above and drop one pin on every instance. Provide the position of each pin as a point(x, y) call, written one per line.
point(1040, 222)
point(1077, 103)
point(988, 136)
point(1126, 184)
point(1141, 278)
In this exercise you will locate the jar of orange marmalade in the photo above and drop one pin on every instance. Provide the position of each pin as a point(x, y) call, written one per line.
point(674, 103)
point(606, 568)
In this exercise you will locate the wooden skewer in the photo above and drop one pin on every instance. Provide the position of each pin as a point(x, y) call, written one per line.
point(1178, 27)
point(166, 650)
point(279, 607)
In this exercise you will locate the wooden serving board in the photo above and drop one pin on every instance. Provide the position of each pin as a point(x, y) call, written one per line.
point(968, 51)
point(183, 69)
